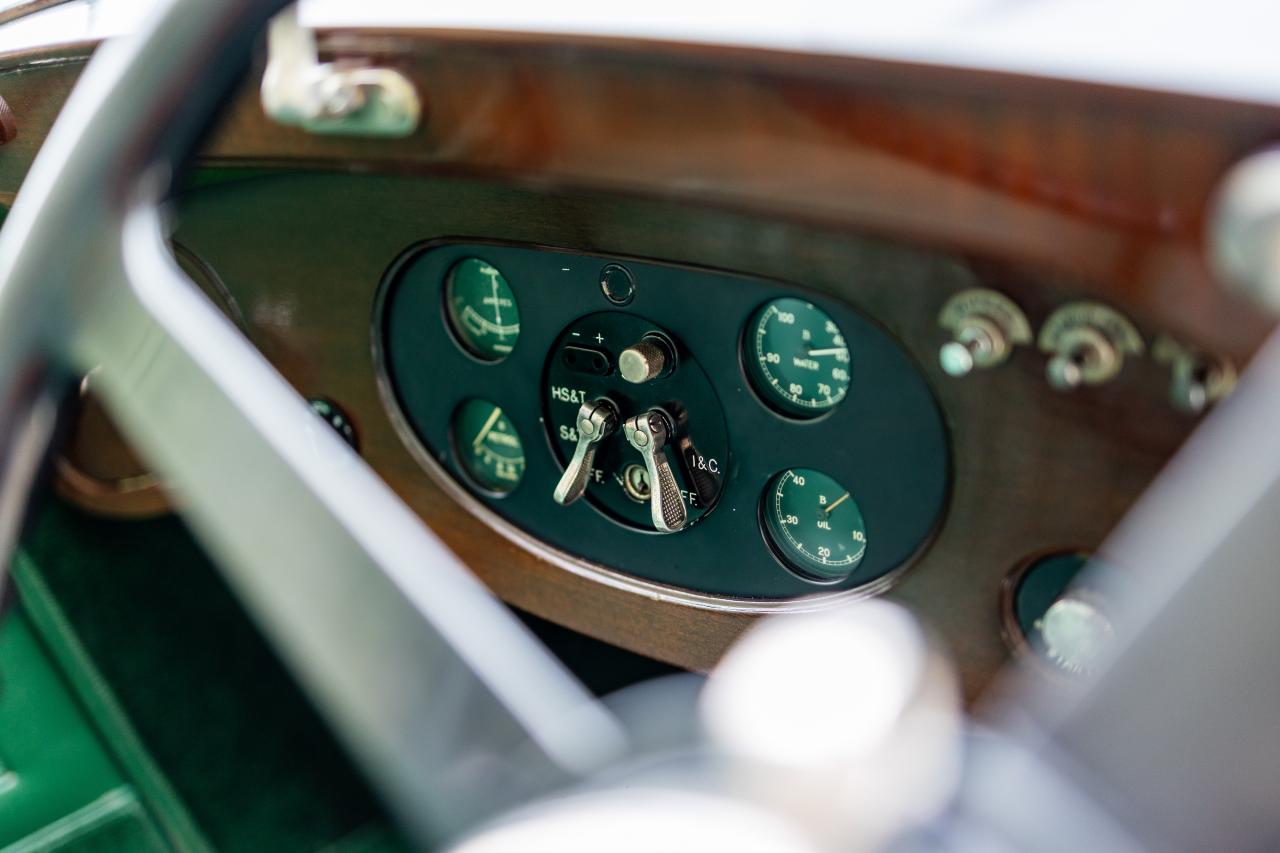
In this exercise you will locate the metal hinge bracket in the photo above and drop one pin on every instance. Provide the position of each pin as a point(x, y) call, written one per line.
point(340, 98)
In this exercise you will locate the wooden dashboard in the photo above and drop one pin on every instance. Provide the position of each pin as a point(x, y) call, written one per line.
point(776, 165)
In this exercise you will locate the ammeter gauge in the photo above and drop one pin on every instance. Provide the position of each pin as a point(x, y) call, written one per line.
point(814, 525)
point(482, 309)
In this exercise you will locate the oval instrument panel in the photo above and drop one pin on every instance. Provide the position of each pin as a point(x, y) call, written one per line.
point(881, 433)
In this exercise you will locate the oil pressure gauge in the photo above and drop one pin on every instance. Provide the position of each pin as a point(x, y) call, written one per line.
point(814, 525)
point(797, 357)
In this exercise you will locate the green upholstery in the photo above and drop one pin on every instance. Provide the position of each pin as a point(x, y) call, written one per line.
point(168, 697)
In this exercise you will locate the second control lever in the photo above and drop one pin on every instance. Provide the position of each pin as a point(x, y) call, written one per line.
point(597, 419)
point(649, 434)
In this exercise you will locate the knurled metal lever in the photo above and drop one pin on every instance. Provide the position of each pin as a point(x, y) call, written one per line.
point(649, 433)
point(597, 419)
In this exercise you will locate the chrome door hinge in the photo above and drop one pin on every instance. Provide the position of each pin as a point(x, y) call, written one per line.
point(342, 98)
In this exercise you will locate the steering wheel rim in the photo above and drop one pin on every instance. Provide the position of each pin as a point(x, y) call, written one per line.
point(447, 703)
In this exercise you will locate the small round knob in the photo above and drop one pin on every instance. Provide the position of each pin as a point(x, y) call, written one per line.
point(956, 358)
point(643, 362)
point(977, 342)
point(1065, 371)
point(1076, 632)
point(1190, 388)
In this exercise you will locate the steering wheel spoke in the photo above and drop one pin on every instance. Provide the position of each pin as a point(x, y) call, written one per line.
point(446, 700)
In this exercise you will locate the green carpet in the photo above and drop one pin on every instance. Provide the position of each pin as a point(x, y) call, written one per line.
point(239, 744)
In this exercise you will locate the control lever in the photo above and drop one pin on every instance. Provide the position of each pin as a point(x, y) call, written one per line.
point(649, 433)
point(596, 421)
point(700, 474)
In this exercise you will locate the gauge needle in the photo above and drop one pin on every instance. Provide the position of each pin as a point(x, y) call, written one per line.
point(488, 425)
point(497, 309)
point(830, 351)
point(839, 501)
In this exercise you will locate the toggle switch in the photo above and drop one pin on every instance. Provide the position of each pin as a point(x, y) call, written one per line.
point(649, 433)
point(1197, 379)
point(985, 326)
point(1087, 343)
point(596, 421)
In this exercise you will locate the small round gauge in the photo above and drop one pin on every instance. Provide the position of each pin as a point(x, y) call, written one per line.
point(482, 309)
point(797, 357)
point(814, 524)
point(488, 446)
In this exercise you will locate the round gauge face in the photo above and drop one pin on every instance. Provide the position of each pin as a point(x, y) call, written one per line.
point(797, 358)
point(814, 524)
point(488, 446)
point(482, 309)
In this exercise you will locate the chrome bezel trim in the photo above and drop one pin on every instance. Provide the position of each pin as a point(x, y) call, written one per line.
point(29, 7)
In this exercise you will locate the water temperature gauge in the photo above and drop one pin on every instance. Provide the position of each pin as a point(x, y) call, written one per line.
point(814, 525)
point(797, 358)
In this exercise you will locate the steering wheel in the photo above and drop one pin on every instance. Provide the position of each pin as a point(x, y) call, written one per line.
point(447, 702)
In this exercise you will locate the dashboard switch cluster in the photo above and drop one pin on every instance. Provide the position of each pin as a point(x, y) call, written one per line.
point(642, 434)
point(1086, 343)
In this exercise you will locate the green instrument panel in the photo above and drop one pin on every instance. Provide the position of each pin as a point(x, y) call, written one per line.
point(751, 378)
point(488, 446)
point(482, 309)
point(797, 357)
point(814, 525)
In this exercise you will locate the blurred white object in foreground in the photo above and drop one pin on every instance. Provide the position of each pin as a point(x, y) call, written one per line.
point(847, 721)
point(838, 730)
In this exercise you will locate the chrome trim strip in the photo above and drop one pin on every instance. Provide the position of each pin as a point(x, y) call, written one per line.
point(28, 7)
